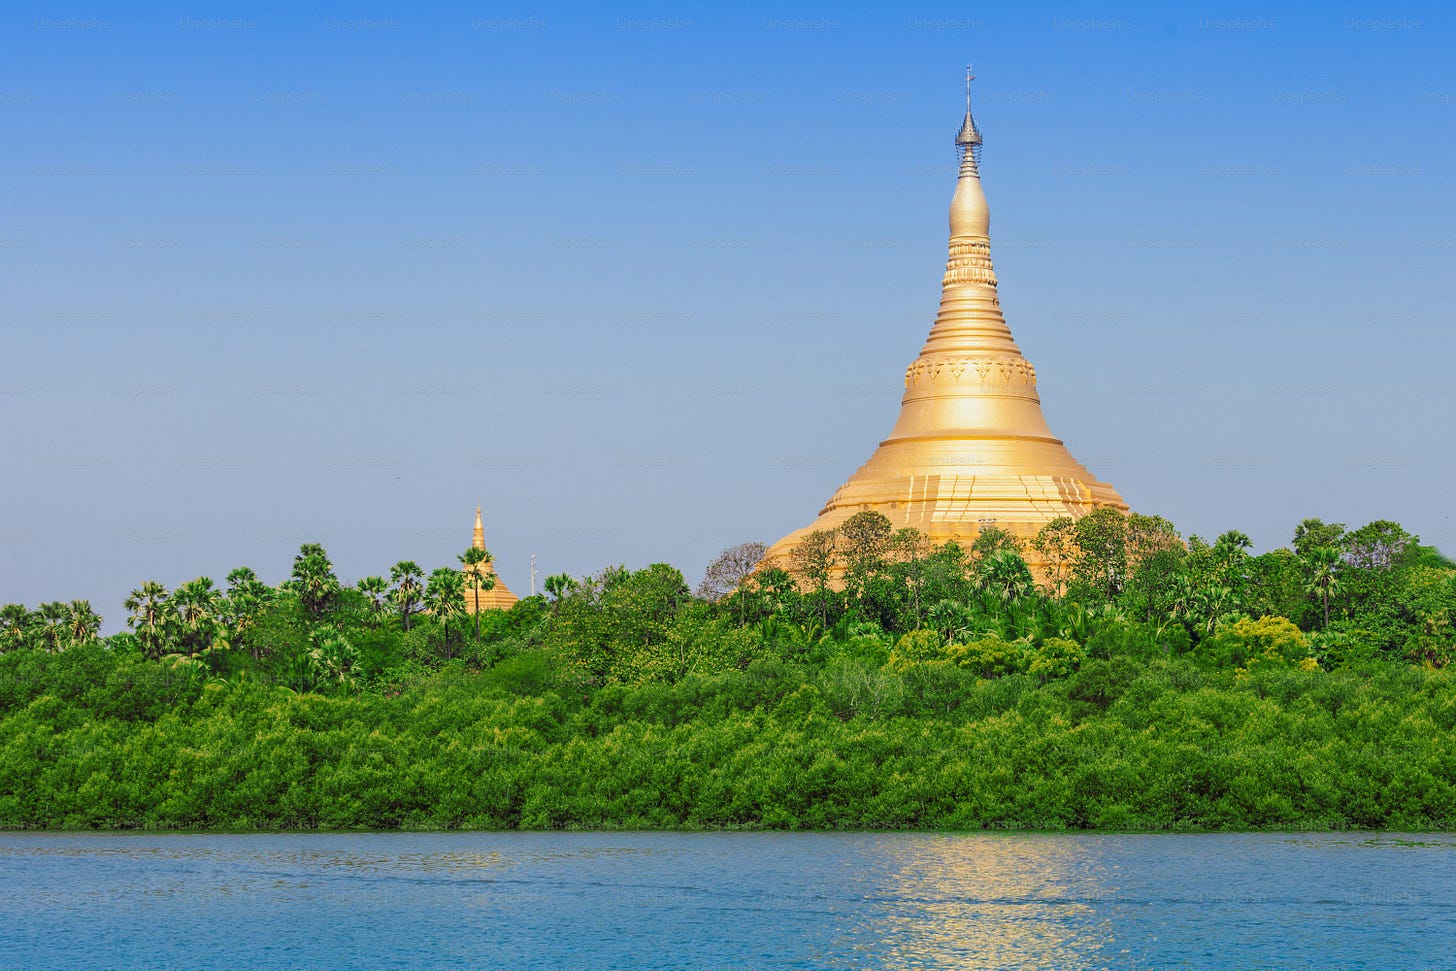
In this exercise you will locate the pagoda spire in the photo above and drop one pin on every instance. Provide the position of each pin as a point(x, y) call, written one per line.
point(970, 321)
point(968, 139)
point(499, 596)
point(971, 446)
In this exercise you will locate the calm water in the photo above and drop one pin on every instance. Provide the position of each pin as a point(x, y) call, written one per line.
point(727, 900)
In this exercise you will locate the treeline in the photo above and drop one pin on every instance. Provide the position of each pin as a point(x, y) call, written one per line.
point(1137, 681)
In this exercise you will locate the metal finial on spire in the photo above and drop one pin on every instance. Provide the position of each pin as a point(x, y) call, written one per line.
point(968, 139)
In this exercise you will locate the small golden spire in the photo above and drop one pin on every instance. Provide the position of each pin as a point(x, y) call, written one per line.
point(498, 596)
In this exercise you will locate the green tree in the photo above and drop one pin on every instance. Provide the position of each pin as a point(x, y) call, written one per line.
point(1155, 555)
point(149, 612)
point(197, 611)
point(917, 647)
point(475, 568)
point(644, 602)
point(618, 625)
point(1433, 646)
point(1313, 533)
point(1101, 563)
point(727, 573)
point(247, 596)
point(812, 563)
point(864, 541)
point(1375, 589)
point(1183, 601)
point(408, 587)
point(1153, 584)
point(1231, 559)
point(775, 593)
point(947, 574)
point(993, 539)
point(1213, 605)
point(51, 629)
point(445, 598)
point(375, 588)
point(1055, 658)
point(1149, 536)
point(333, 660)
point(990, 656)
point(558, 586)
point(1276, 587)
point(1056, 545)
point(240, 578)
point(1268, 640)
point(82, 623)
point(1322, 565)
point(1380, 545)
point(950, 619)
point(314, 580)
point(910, 550)
point(1004, 575)
point(16, 624)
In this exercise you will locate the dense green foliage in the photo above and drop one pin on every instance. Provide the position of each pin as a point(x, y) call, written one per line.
point(1145, 683)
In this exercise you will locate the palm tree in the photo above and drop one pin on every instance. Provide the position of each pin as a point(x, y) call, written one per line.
point(241, 578)
point(197, 604)
point(558, 585)
point(375, 588)
point(1004, 575)
point(1232, 543)
point(1323, 563)
point(314, 579)
point(775, 589)
point(1184, 599)
point(149, 610)
point(1231, 553)
point(83, 622)
point(445, 597)
point(1215, 603)
point(15, 626)
point(406, 575)
point(333, 661)
point(1029, 616)
point(246, 597)
point(474, 563)
point(949, 619)
point(52, 628)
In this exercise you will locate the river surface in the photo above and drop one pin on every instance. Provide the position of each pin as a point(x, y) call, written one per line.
point(666, 900)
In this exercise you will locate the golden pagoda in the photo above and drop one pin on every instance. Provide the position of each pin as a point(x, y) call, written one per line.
point(971, 448)
point(498, 597)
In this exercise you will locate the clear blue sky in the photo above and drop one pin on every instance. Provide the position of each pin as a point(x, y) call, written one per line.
point(644, 281)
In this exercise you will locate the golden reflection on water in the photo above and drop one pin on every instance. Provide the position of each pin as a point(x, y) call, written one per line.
point(994, 902)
